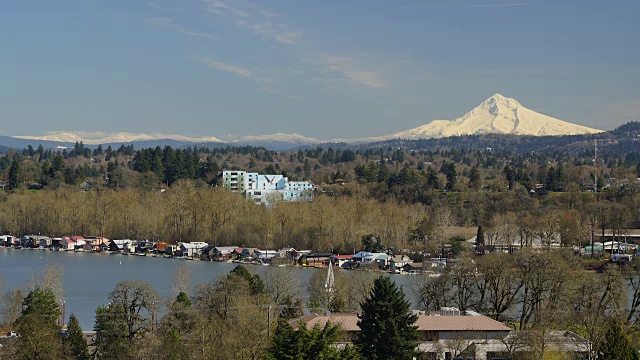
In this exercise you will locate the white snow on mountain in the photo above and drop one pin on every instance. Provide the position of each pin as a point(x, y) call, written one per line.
point(497, 114)
point(281, 137)
point(95, 138)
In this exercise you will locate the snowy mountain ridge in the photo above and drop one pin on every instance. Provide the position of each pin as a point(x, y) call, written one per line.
point(96, 138)
point(497, 114)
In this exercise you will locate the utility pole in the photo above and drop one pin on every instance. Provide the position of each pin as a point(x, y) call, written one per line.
point(595, 171)
point(595, 194)
point(268, 322)
point(202, 346)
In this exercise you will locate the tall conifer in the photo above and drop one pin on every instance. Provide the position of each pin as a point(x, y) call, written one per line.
point(387, 329)
point(76, 344)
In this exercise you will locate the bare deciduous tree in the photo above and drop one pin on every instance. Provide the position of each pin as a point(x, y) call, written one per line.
point(181, 281)
point(431, 291)
point(139, 302)
point(501, 282)
point(463, 280)
point(282, 283)
point(50, 278)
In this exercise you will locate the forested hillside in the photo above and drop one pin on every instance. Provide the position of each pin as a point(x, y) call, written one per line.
point(404, 196)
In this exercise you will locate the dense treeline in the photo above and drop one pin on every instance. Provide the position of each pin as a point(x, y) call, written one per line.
point(433, 167)
point(532, 160)
point(190, 213)
point(406, 197)
point(241, 315)
point(193, 211)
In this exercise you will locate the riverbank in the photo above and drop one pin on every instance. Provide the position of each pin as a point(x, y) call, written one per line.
point(89, 278)
point(376, 262)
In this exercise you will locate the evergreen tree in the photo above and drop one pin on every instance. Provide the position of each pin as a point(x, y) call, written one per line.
point(285, 343)
point(383, 172)
point(38, 326)
point(115, 175)
point(39, 339)
point(112, 334)
point(74, 341)
point(41, 302)
point(551, 183)
point(474, 178)
point(616, 344)
point(14, 172)
point(452, 176)
point(255, 282)
point(290, 344)
point(58, 163)
point(183, 298)
point(386, 324)
point(348, 156)
point(140, 162)
point(46, 168)
point(432, 179)
point(510, 174)
point(156, 164)
point(40, 152)
point(480, 241)
point(372, 243)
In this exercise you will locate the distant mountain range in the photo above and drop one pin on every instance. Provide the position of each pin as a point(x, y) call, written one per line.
point(496, 115)
point(96, 138)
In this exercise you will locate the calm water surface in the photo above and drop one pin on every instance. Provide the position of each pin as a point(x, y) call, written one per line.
point(88, 278)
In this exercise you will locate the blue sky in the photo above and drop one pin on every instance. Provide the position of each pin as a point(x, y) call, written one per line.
point(323, 69)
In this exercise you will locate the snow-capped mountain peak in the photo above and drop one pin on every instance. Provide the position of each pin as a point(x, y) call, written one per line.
point(497, 114)
point(498, 103)
point(95, 138)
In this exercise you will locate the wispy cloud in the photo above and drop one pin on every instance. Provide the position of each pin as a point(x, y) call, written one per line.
point(471, 6)
point(266, 80)
point(196, 34)
point(221, 8)
point(231, 68)
point(321, 67)
point(257, 21)
point(269, 31)
point(268, 14)
point(172, 25)
point(366, 78)
point(347, 68)
point(154, 5)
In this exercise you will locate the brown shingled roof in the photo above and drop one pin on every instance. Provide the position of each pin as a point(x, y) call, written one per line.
point(459, 323)
point(349, 322)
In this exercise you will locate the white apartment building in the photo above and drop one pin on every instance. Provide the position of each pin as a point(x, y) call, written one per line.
point(267, 189)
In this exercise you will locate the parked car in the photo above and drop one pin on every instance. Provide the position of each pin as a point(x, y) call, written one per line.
point(12, 334)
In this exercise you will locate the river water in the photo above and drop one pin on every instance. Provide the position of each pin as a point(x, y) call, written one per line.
point(88, 278)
